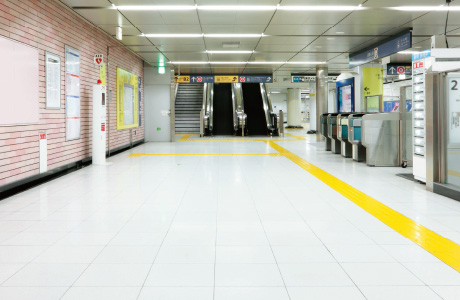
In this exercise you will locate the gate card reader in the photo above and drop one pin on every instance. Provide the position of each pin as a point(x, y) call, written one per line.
point(323, 122)
point(342, 134)
point(332, 133)
point(354, 137)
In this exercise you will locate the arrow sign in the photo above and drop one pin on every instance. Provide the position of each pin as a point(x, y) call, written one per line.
point(392, 69)
point(193, 79)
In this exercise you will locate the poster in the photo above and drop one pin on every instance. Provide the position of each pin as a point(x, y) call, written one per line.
point(103, 74)
point(140, 99)
point(53, 81)
point(345, 94)
point(72, 93)
point(127, 100)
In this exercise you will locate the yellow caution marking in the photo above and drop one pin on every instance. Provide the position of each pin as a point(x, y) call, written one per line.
point(185, 137)
point(199, 154)
point(297, 137)
point(442, 248)
point(453, 173)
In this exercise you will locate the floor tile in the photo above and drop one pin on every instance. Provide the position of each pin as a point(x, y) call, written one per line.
point(410, 253)
point(251, 293)
point(176, 293)
point(434, 273)
point(360, 253)
point(113, 275)
point(39, 293)
point(181, 275)
point(302, 254)
point(69, 254)
point(102, 293)
point(380, 274)
point(186, 254)
point(19, 254)
point(314, 274)
point(447, 292)
point(325, 293)
point(52, 275)
point(248, 275)
point(127, 255)
point(8, 270)
point(244, 255)
point(399, 293)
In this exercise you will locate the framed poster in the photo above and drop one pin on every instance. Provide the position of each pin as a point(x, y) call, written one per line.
point(72, 93)
point(127, 100)
point(53, 81)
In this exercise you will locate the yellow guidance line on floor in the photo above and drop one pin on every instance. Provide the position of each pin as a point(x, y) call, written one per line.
point(201, 154)
point(453, 173)
point(187, 138)
point(297, 137)
point(442, 248)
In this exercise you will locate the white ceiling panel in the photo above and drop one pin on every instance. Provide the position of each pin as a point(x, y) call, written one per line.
point(177, 41)
point(279, 48)
point(151, 57)
point(153, 2)
point(217, 17)
point(308, 18)
point(313, 57)
point(266, 56)
point(369, 29)
point(394, 3)
point(143, 48)
point(193, 69)
point(216, 43)
point(176, 29)
point(296, 29)
point(135, 41)
point(286, 40)
point(181, 48)
point(380, 17)
point(180, 17)
point(229, 57)
point(95, 3)
point(103, 16)
point(323, 2)
point(187, 56)
point(253, 17)
point(127, 29)
point(241, 29)
point(238, 2)
point(144, 17)
point(439, 18)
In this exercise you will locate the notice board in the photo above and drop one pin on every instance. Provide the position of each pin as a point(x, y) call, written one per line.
point(127, 100)
point(19, 100)
point(72, 93)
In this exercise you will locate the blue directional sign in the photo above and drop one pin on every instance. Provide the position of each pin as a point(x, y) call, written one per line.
point(303, 78)
point(256, 79)
point(201, 79)
point(385, 48)
point(421, 55)
point(399, 69)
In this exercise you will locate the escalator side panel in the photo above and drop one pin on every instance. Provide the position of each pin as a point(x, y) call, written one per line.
point(254, 108)
point(223, 109)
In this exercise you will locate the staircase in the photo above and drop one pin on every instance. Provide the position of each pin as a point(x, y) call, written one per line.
point(189, 100)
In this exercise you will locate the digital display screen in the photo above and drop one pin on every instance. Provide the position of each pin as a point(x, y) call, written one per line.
point(345, 98)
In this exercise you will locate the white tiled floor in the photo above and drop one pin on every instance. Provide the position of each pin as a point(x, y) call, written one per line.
point(221, 228)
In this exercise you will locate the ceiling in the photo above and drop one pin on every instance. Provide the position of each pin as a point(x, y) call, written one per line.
point(282, 38)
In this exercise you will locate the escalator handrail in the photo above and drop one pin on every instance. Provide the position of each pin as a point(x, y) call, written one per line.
point(211, 106)
point(267, 106)
point(235, 117)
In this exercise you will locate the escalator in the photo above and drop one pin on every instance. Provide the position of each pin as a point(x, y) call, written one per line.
point(222, 109)
point(254, 108)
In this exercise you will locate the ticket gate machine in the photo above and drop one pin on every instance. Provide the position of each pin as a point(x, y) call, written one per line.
point(342, 134)
point(354, 137)
point(323, 122)
point(332, 133)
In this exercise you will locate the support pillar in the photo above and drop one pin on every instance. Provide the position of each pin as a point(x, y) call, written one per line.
point(321, 97)
point(294, 118)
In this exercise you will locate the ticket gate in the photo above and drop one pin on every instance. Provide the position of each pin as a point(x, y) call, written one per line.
point(323, 122)
point(342, 134)
point(332, 133)
point(354, 137)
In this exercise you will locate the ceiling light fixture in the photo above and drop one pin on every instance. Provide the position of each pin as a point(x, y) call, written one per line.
point(231, 35)
point(426, 8)
point(119, 33)
point(157, 7)
point(236, 7)
point(228, 52)
point(247, 62)
point(340, 32)
point(321, 8)
point(198, 35)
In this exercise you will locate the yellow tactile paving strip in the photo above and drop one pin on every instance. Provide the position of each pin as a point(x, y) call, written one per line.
point(442, 248)
point(453, 173)
point(199, 154)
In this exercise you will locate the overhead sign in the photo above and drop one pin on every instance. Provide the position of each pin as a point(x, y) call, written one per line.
point(310, 79)
point(98, 59)
point(399, 69)
point(372, 82)
point(182, 79)
point(226, 79)
point(421, 55)
point(201, 79)
point(385, 48)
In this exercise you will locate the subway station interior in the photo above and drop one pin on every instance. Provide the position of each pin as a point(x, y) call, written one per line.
point(223, 150)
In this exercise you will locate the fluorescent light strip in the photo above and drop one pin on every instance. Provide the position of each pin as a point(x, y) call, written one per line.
point(236, 8)
point(246, 62)
point(426, 8)
point(198, 35)
point(228, 52)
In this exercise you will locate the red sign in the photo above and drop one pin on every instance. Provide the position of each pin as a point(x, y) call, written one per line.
point(418, 65)
point(242, 79)
point(43, 136)
point(199, 79)
point(102, 126)
point(401, 70)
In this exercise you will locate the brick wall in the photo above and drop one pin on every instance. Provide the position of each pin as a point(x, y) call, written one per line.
point(49, 25)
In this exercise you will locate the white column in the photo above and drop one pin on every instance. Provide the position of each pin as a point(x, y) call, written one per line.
point(99, 124)
point(294, 110)
point(321, 97)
